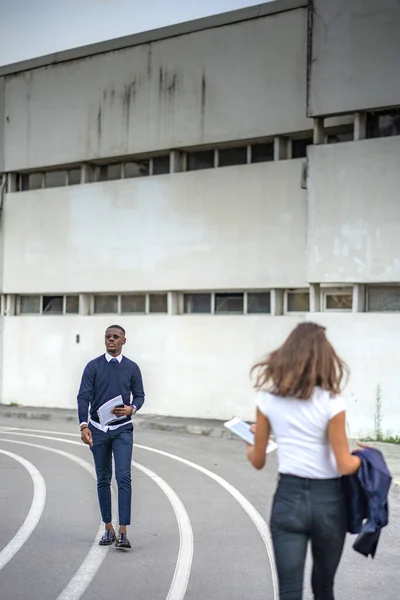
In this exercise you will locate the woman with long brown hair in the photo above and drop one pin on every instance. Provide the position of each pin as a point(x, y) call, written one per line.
point(298, 399)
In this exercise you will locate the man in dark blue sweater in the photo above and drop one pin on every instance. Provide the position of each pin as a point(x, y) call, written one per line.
point(104, 378)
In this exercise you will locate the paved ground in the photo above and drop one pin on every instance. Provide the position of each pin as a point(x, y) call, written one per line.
point(197, 521)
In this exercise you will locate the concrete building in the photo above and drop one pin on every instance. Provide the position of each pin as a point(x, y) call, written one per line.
point(207, 186)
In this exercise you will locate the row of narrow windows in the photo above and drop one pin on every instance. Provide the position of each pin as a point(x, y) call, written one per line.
point(379, 298)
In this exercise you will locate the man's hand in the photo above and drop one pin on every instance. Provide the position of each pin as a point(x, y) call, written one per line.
point(123, 411)
point(86, 436)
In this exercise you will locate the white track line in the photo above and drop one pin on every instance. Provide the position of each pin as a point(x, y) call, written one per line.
point(91, 564)
point(34, 514)
point(244, 503)
point(184, 563)
point(96, 554)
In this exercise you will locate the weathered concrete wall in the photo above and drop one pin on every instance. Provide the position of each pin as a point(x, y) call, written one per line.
point(216, 85)
point(355, 60)
point(233, 227)
point(354, 212)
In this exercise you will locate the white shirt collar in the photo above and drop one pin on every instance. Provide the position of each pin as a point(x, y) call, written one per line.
point(109, 357)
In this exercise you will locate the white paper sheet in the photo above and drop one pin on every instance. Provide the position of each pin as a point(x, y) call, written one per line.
point(105, 414)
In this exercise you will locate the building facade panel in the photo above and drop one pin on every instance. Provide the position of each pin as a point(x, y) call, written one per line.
point(212, 86)
point(199, 365)
point(354, 212)
point(210, 229)
point(354, 60)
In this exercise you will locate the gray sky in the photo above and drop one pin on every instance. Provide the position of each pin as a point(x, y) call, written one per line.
point(31, 28)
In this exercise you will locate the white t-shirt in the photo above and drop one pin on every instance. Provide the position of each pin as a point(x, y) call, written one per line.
point(301, 432)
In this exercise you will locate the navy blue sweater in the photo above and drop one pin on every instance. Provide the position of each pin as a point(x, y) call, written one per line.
point(103, 380)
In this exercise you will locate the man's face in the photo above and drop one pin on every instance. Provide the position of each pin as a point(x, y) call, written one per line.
point(115, 339)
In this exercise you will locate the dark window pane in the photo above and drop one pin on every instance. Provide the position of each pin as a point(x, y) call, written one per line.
point(161, 165)
point(29, 305)
point(114, 172)
point(298, 302)
point(34, 181)
point(344, 135)
point(259, 302)
point(262, 152)
point(158, 303)
point(232, 156)
point(72, 305)
point(384, 298)
point(139, 168)
point(229, 303)
point(105, 304)
point(101, 173)
point(52, 305)
point(383, 124)
point(299, 147)
point(200, 160)
point(133, 303)
point(24, 183)
point(197, 303)
point(339, 301)
point(74, 176)
point(54, 179)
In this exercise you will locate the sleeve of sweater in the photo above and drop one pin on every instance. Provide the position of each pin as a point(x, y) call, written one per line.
point(137, 388)
point(85, 393)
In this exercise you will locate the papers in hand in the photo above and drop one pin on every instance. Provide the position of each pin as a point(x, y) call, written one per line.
point(243, 430)
point(104, 413)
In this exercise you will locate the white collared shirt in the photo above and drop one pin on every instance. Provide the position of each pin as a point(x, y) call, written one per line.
point(107, 427)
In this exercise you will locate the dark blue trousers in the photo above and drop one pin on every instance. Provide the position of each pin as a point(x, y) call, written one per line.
point(117, 442)
point(303, 511)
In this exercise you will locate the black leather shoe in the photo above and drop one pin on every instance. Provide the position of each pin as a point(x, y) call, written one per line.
point(122, 541)
point(107, 538)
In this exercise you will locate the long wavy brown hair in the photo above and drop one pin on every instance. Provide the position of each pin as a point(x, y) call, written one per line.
point(305, 360)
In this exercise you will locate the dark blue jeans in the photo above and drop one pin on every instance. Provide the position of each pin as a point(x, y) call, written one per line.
point(120, 443)
point(308, 510)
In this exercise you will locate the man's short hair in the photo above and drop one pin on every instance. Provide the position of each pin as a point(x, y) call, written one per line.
point(117, 327)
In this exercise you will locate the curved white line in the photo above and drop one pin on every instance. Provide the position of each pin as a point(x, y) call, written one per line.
point(244, 503)
point(184, 563)
point(92, 562)
point(34, 514)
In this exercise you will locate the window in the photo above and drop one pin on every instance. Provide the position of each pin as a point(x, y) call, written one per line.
point(104, 303)
point(298, 301)
point(229, 303)
point(342, 134)
point(338, 301)
point(196, 303)
point(299, 147)
point(74, 176)
point(72, 305)
point(262, 152)
point(29, 305)
point(31, 181)
point(133, 303)
point(385, 298)
point(383, 124)
point(138, 168)
point(228, 157)
point(258, 302)
point(158, 303)
point(200, 160)
point(55, 179)
point(114, 172)
point(161, 165)
point(52, 305)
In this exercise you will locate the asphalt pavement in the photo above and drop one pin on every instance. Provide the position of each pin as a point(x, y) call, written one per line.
point(199, 528)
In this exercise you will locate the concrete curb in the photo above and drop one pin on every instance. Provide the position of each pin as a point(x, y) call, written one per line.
point(200, 427)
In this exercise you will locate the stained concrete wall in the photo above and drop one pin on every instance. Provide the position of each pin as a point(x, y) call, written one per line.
point(225, 83)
